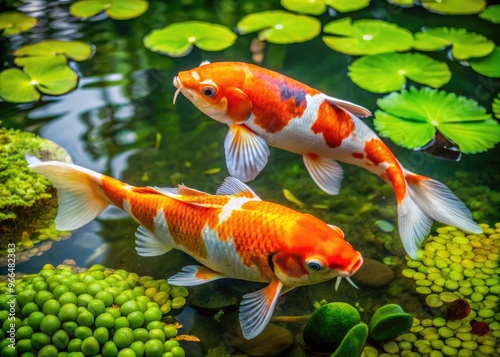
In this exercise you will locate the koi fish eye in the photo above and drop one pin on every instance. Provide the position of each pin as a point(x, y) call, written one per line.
point(314, 265)
point(209, 91)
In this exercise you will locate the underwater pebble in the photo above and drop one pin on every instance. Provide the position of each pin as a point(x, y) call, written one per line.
point(373, 273)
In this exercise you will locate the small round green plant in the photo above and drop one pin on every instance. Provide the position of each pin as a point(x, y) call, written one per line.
point(388, 322)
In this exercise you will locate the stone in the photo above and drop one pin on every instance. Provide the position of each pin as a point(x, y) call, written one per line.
point(373, 273)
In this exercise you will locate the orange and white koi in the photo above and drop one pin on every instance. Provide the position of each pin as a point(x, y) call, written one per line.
point(234, 234)
point(264, 108)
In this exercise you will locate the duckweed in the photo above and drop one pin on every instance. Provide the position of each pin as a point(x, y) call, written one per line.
point(61, 312)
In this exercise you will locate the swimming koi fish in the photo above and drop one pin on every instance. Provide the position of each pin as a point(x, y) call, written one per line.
point(233, 234)
point(264, 108)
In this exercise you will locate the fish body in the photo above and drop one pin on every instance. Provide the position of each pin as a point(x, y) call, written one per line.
point(265, 108)
point(233, 234)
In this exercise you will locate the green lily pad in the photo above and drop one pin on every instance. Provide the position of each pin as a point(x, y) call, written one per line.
point(49, 75)
point(387, 72)
point(465, 44)
point(411, 118)
point(389, 322)
point(492, 13)
point(317, 7)
point(454, 7)
point(75, 50)
point(116, 9)
point(366, 37)
point(488, 66)
point(280, 26)
point(177, 39)
point(354, 342)
point(402, 3)
point(14, 22)
point(496, 106)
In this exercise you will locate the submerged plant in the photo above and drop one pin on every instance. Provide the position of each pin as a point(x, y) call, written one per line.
point(488, 66)
point(366, 37)
point(387, 72)
point(449, 7)
point(464, 44)
point(178, 39)
point(116, 9)
point(412, 117)
point(280, 27)
point(13, 22)
point(389, 322)
point(317, 7)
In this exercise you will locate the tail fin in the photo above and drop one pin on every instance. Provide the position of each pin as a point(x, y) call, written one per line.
point(414, 225)
point(79, 194)
point(437, 201)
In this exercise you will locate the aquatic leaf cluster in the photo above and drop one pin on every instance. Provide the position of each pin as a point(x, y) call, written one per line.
point(449, 7)
point(13, 22)
point(115, 9)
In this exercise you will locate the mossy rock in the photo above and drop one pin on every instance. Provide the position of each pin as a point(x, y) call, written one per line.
point(326, 327)
point(353, 343)
point(388, 322)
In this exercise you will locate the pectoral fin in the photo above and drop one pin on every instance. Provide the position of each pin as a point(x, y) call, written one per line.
point(327, 173)
point(246, 152)
point(257, 308)
point(355, 109)
point(149, 244)
point(194, 275)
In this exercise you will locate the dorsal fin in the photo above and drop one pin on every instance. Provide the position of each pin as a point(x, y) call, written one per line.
point(184, 194)
point(204, 63)
point(233, 186)
point(355, 109)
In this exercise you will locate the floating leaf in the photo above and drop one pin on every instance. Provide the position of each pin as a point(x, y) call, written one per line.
point(465, 44)
point(317, 7)
point(411, 118)
point(488, 66)
point(402, 3)
point(366, 37)
point(177, 39)
point(280, 26)
point(116, 9)
point(49, 75)
point(387, 72)
point(492, 13)
point(496, 106)
point(75, 50)
point(454, 7)
point(13, 22)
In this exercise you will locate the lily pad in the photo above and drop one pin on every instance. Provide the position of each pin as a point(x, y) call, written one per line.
point(50, 75)
point(411, 118)
point(280, 26)
point(402, 3)
point(465, 44)
point(116, 9)
point(488, 66)
point(454, 7)
point(366, 37)
point(492, 13)
point(496, 107)
point(387, 72)
point(75, 50)
point(177, 39)
point(14, 22)
point(317, 7)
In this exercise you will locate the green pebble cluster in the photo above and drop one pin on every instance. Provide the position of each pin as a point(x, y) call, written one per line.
point(96, 312)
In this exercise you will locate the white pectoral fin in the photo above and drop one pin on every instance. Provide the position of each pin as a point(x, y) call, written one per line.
point(355, 109)
point(246, 152)
point(149, 244)
point(327, 173)
point(233, 186)
point(257, 308)
point(192, 275)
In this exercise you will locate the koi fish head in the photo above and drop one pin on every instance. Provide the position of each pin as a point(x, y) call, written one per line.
point(215, 89)
point(316, 252)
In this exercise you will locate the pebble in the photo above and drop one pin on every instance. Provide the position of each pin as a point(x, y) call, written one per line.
point(374, 273)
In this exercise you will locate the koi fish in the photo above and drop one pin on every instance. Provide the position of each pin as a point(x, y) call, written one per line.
point(233, 234)
point(262, 108)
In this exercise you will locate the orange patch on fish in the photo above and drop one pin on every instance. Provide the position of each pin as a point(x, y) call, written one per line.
point(113, 189)
point(334, 123)
point(377, 152)
point(144, 204)
point(414, 179)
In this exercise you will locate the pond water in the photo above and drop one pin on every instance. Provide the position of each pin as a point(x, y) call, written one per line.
point(120, 121)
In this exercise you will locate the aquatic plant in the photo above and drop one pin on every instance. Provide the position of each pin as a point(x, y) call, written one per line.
point(389, 322)
point(464, 44)
point(13, 22)
point(489, 65)
point(449, 7)
point(177, 39)
point(492, 14)
point(411, 118)
point(73, 50)
point(353, 343)
point(90, 311)
point(495, 107)
point(387, 72)
point(317, 7)
point(366, 37)
point(116, 9)
point(280, 27)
